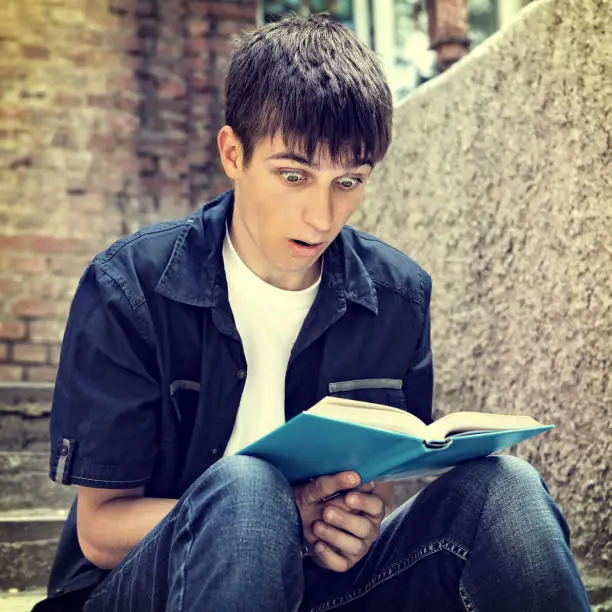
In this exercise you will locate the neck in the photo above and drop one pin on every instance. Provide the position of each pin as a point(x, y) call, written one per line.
point(247, 251)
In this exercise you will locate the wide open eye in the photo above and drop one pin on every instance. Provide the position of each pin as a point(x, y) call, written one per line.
point(349, 182)
point(292, 176)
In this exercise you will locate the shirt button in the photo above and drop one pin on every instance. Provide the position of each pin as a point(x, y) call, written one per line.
point(214, 451)
point(241, 374)
point(64, 450)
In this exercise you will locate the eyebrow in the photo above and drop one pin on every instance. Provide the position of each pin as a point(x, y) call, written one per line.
point(303, 160)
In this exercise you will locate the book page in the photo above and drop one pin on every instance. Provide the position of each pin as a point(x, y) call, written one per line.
point(370, 415)
point(463, 422)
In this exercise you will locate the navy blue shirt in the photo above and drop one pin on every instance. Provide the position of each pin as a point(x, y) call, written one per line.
point(152, 367)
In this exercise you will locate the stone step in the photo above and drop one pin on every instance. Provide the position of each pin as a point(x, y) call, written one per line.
point(20, 601)
point(24, 416)
point(598, 583)
point(25, 483)
point(31, 524)
point(28, 541)
point(25, 393)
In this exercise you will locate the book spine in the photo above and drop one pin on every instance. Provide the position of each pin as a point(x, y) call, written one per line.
point(437, 444)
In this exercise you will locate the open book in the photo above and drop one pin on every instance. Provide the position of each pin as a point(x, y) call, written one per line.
point(394, 419)
point(385, 443)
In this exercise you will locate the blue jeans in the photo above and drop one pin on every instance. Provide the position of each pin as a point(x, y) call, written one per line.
point(485, 536)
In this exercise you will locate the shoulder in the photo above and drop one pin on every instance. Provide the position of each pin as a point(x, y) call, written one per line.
point(389, 268)
point(149, 244)
point(136, 262)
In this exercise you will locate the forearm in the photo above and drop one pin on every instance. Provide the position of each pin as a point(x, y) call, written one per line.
point(118, 525)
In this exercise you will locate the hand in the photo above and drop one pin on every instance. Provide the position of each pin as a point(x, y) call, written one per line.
point(340, 531)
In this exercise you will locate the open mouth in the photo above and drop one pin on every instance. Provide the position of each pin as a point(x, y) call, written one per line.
point(306, 244)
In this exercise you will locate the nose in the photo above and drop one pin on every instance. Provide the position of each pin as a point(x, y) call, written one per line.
point(318, 213)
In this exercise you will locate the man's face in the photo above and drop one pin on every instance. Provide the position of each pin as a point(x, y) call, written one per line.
point(287, 212)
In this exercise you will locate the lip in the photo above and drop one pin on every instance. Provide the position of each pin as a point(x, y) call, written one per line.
point(305, 251)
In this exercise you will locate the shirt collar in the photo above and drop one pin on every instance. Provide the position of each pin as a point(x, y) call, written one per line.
point(195, 274)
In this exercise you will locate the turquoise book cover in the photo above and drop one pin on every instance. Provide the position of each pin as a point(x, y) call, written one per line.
point(310, 445)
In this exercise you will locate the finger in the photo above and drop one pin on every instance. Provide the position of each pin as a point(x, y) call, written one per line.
point(330, 558)
point(340, 502)
point(358, 525)
point(367, 487)
point(346, 544)
point(323, 486)
point(367, 503)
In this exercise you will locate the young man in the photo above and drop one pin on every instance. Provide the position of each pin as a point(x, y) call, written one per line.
point(190, 339)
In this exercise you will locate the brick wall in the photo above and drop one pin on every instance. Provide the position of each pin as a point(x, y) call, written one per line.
point(108, 117)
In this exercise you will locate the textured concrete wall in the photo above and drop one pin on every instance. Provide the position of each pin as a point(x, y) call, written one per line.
point(499, 183)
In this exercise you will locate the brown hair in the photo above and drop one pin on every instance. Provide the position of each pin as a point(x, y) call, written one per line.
point(311, 78)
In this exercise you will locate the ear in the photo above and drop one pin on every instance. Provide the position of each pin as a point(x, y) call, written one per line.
point(230, 151)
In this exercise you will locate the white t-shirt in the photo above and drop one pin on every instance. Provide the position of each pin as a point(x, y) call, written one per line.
point(268, 320)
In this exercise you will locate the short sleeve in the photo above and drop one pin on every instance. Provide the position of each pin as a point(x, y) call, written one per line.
point(103, 423)
point(419, 380)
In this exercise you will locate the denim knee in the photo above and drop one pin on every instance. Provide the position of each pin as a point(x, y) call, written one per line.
point(505, 482)
point(246, 490)
point(500, 471)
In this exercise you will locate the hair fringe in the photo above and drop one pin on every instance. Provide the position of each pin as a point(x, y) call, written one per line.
point(313, 80)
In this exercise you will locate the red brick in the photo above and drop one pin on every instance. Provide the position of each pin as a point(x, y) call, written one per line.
point(10, 373)
point(67, 100)
point(47, 331)
point(229, 27)
point(12, 330)
point(119, 82)
point(225, 10)
point(90, 203)
point(99, 101)
point(4, 351)
point(29, 264)
point(200, 82)
point(35, 52)
point(29, 353)
point(62, 265)
point(122, 123)
point(13, 72)
point(49, 244)
point(41, 374)
point(14, 243)
point(222, 45)
point(16, 114)
point(9, 286)
point(45, 290)
point(198, 46)
point(43, 244)
point(127, 101)
point(90, 38)
point(63, 140)
point(104, 143)
point(34, 309)
point(197, 64)
point(198, 27)
point(172, 89)
point(171, 50)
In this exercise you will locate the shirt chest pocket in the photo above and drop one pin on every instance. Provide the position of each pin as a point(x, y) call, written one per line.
point(387, 391)
point(185, 397)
